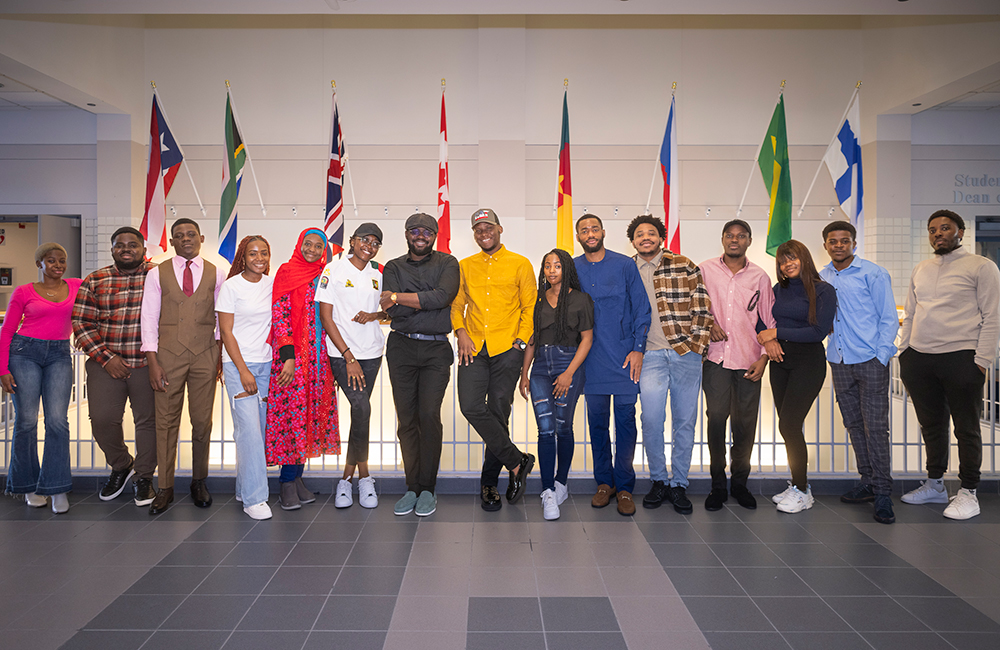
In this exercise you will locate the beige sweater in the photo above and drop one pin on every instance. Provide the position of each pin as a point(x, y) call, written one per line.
point(953, 304)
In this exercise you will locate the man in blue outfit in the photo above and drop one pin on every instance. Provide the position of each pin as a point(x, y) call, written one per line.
point(859, 350)
point(621, 322)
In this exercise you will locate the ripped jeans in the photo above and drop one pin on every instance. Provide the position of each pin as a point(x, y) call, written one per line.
point(554, 416)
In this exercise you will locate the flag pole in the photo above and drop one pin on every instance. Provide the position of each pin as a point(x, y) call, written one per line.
point(656, 161)
point(555, 199)
point(236, 116)
point(854, 96)
point(343, 163)
point(755, 156)
point(186, 167)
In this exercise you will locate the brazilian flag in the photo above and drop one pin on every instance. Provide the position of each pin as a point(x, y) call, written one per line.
point(773, 163)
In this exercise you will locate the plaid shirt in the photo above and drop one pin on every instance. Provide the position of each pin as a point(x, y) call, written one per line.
point(682, 303)
point(106, 315)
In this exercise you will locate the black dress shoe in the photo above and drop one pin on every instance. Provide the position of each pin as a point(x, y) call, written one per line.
point(490, 498)
point(199, 493)
point(143, 491)
point(678, 497)
point(116, 483)
point(743, 496)
point(657, 495)
point(716, 498)
point(517, 483)
point(162, 501)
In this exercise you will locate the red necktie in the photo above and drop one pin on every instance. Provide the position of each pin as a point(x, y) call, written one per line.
point(188, 287)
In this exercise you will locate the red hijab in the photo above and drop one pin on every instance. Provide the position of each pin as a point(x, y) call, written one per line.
point(292, 278)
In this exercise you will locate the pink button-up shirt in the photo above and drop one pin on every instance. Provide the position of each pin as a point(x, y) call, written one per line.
point(738, 300)
point(152, 296)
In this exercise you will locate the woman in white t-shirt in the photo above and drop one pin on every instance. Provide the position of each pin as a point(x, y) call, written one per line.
point(348, 294)
point(244, 309)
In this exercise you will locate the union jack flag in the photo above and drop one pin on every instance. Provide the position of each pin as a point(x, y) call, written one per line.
point(334, 226)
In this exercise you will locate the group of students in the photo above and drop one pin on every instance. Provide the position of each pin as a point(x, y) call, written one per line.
point(582, 326)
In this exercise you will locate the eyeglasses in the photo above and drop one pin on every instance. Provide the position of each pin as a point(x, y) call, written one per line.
point(370, 242)
point(754, 300)
point(418, 232)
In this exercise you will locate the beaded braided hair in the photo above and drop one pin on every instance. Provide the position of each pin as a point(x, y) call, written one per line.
point(570, 280)
point(239, 261)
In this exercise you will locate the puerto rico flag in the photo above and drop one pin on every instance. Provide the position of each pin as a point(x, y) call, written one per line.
point(334, 226)
point(671, 187)
point(164, 163)
point(444, 199)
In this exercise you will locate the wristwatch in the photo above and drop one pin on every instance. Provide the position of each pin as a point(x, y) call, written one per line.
point(393, 298)
point(521, 345)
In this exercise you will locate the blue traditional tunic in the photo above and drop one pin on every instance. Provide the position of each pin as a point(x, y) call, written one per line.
point(621, 321)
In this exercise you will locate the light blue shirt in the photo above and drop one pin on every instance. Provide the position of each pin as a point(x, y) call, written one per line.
point(866, 323)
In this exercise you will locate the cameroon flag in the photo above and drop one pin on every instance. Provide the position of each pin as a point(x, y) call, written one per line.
point(773, 163)
point(564, 210)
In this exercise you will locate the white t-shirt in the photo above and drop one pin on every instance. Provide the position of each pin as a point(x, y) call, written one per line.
point(351, 290)
point(250, 304)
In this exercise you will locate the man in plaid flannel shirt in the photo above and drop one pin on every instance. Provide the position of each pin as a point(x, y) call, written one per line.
point(106, 326)
point(677, 343)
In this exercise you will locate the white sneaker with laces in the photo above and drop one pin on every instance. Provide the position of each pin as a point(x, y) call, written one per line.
point(796, 500)
point(367, 498)
point(35, 500)
point(964, 505)
point(259, 511)
point(550, 505)
point(562, 493)
point(928, 492)
point(780, 496)
point(344, 498)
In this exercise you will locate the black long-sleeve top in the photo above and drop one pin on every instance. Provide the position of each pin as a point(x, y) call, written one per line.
point(435, 278)
point(791, 311)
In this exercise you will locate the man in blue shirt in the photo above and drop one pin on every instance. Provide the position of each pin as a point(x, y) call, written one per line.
point(859, 350)
point(621, 322)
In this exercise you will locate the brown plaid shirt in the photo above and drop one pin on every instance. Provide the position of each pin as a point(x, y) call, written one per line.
point(682, 303)
point(106, 315)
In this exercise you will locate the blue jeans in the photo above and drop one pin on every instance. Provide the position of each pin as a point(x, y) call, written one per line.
point(622, 475)
point(249, 423)
point(666, 371)
point(290, 472)
point(554, 416)
point(42, 370)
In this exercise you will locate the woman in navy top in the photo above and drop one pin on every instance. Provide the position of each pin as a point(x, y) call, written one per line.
point(804, 307)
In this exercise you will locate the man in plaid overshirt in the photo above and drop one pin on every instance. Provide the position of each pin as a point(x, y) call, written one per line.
point(106, 326)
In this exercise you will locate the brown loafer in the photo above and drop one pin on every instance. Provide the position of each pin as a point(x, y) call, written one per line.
point(603, 496)
point(626, 505)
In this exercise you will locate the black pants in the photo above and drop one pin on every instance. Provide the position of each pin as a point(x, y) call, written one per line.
point(944, 385)
point(419, 372)
point(361, 405)
point(485, 395)
point(795, 383)
point(730, 396)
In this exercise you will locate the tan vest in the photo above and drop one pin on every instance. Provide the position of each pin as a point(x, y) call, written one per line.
point(187, 323)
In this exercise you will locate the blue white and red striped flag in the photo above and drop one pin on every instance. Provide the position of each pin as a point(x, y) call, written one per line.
point(334, 226)
point(671, 186)
point(164, 162)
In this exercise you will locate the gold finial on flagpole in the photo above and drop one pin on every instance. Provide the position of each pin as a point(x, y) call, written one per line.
point(673, 88)
point(859, 84)
point(442, 82)
point(782, 91)
point(333, 84)
point(566, 82)
point(227, 83)
point(153, 84)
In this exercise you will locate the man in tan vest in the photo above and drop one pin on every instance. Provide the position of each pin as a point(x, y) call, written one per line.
point(180, 341)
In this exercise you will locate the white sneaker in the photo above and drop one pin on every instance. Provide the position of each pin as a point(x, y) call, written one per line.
point(259, 512)
point(550, 505)
point(367, 498)
point(344, 498)
point(796, 500)
point(562, 493)
point(928, 492)
point(239, 499)
point(964, 505)
point(35, 500)
point(780, 496)
point(60, 504)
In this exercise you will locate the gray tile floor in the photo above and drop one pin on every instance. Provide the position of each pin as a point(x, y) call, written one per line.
point(107, 575)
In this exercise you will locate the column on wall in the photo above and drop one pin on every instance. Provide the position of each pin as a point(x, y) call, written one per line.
point(117, 155)
point(887, 200)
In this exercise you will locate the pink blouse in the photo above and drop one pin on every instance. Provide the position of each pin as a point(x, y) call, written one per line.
point(29, 314)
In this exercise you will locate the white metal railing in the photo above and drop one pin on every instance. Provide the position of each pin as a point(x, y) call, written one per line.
point(830, 454)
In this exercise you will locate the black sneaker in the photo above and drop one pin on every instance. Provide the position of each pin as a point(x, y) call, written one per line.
point(883, 509)
point(490, 497)
point(743, 496)
point(116, 483)
point(715, 499)
point(678, 497)
point(859, 494)
point(143, 491)
point(657, 495)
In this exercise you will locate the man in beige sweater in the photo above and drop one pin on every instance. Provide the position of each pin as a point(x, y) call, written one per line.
point(947, 342)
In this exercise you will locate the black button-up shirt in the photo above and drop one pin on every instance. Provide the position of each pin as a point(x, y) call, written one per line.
point(435, 279)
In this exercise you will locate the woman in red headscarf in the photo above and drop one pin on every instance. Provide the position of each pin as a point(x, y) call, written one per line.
point(302, 399)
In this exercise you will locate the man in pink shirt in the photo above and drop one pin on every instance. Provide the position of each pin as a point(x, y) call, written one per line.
point(180, 339)
point(741, 305)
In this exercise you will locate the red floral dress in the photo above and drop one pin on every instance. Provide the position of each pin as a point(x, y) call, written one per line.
point(302, 421)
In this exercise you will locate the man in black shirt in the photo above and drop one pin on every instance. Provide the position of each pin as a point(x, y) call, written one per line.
point(418, 290)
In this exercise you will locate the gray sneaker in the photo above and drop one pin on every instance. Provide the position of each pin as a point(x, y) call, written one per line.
point(427, 503)
point(405, 505)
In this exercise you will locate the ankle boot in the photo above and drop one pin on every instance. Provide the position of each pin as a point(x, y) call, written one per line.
point(289, 497)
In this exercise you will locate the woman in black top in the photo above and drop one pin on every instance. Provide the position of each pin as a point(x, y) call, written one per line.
point(564, 323)
point(804, 307)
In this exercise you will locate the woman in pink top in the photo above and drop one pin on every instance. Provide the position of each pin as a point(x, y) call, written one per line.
point(35, 364)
